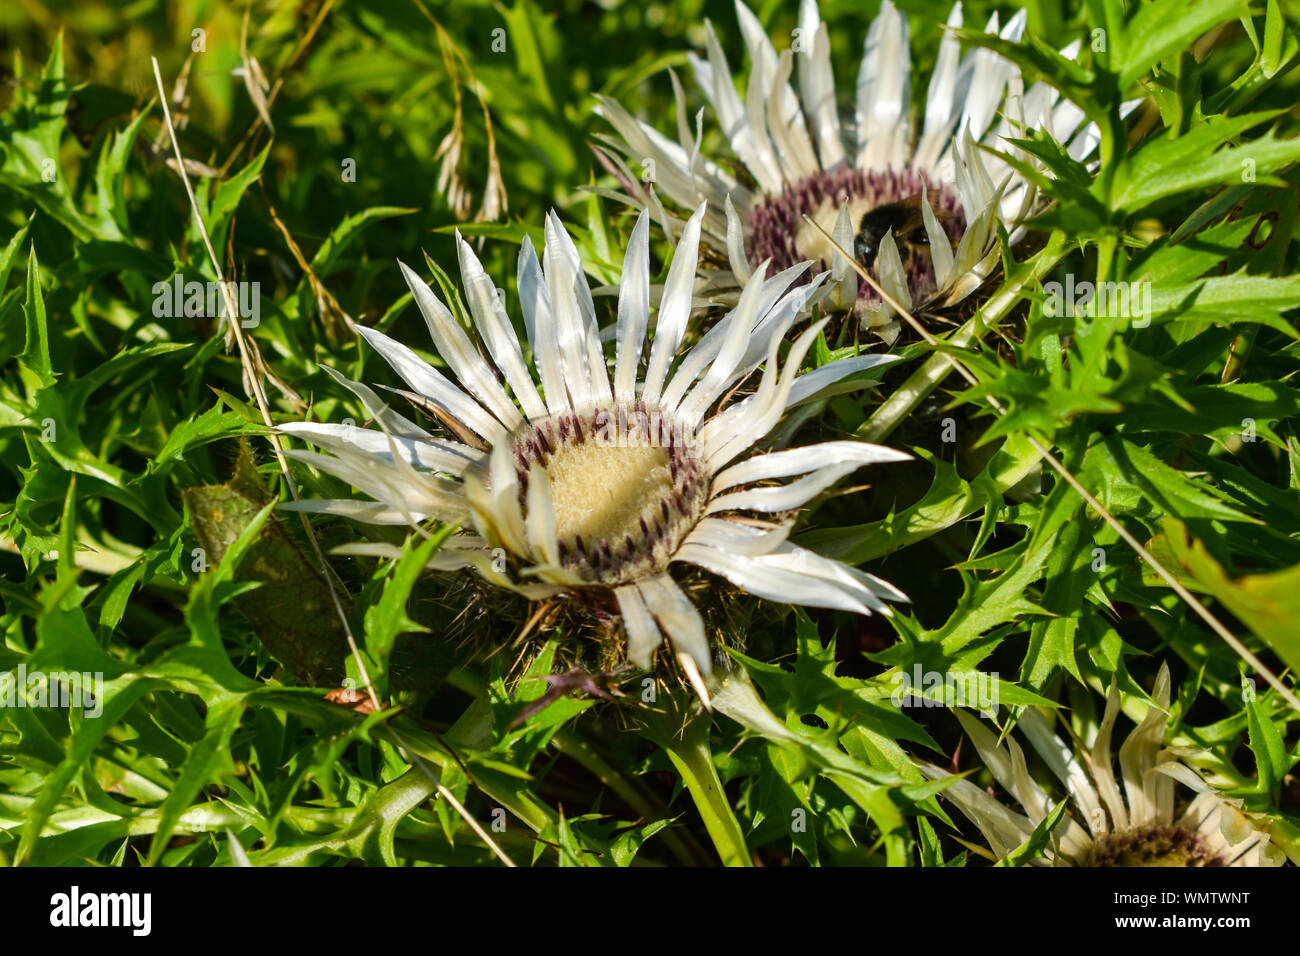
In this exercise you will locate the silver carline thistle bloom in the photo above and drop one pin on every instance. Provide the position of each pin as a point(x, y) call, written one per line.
point(1142, 830)
point(596, 483)
point(805, 161)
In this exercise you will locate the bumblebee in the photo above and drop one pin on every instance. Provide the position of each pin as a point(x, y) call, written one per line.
point(904, 218)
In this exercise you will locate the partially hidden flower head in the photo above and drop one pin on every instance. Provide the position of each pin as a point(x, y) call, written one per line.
point(1145, 825)
point(569, 482)
point(920, 207)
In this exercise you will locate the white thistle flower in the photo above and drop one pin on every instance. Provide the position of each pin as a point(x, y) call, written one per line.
point(1136, 828)
point(584, 483)
point(849, 176)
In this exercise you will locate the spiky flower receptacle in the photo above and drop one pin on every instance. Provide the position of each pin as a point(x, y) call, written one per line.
point(1139, 828)
point(576, 484)
point(804, 161)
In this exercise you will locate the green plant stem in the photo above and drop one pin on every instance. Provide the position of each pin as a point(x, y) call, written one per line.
point(691, 756)
point(1106, 247)
point(575, 745)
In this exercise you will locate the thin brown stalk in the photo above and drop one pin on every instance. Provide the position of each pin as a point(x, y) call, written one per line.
point(259, 395)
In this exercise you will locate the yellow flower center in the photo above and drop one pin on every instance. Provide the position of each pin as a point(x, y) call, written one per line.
point(626, 487)
point(603, 493)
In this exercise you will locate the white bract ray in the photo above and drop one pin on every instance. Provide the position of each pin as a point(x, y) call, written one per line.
point(851, 176)
point(571, 481)
point(1140, 826)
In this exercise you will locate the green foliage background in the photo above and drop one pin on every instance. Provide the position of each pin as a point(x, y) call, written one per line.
point(210, 751)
